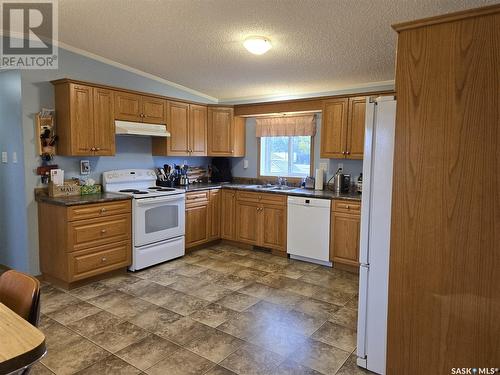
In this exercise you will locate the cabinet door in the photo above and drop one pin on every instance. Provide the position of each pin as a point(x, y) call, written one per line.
point(228, 211)
point(197, 130)
point(196, 225)
point(215, 213)
point(154, 110)
point(344, 239)
point(177, 125)
point(220, 131)
point(128, 106)
point(356, 128)
point(273, 219)
point(239, 137)
point(248, 222)
point(82, 120)
point(104, 125)
point(334, 128)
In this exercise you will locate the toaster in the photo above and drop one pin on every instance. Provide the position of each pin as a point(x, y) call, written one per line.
point(309, 183)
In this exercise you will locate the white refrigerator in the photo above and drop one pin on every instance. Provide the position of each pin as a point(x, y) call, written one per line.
point(375, 233)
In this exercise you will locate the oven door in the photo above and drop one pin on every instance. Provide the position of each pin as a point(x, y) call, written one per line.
point(158, 219)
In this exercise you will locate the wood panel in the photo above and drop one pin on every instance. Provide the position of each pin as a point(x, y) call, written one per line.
point(228, 208)
point(197, 130)
point(104, 125)
point(197, 220)
point(154, 110)
point(220, 131)
point(239, 137)
point(356, 128)
point(82, 120)
point(128, 106)
point(215, 214)
point(248, 222)
point(444, 299)
point(334, 128)
point(344, 239)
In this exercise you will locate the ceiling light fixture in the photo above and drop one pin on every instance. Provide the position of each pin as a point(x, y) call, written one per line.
point(257, 45)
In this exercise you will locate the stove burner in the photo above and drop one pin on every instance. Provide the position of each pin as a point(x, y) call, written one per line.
point(141, 192)
point(166, 189)
point(154, 188)
point(129, 191)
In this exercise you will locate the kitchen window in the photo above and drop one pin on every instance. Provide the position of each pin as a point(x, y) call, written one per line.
point(286, 145)
point(286, 156)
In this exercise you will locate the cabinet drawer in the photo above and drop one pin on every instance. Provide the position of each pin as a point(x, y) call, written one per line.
point(346, 206)
point(89, 211)
point(198, 197)
point(99, 260)
point(94, 232)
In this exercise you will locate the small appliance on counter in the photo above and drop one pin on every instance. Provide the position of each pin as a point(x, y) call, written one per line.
point(221, 170)
point(319, 179)
point(359, 184)
point(341, 181)
point(308, 183)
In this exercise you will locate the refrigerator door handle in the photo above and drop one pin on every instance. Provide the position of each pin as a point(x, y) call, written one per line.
point(362, 314)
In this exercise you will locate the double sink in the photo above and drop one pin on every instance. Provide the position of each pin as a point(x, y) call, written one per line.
point(272, 187)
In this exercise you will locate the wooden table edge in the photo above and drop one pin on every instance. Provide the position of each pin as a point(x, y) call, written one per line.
point(25, 359)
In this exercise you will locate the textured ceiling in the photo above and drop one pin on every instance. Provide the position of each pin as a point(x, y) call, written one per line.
point(318, 45)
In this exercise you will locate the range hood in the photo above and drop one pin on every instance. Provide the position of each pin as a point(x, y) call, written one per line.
point(140, 128)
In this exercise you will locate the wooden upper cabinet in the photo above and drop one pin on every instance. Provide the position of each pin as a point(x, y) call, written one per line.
point(153, 110)
point(178, 126)
point(187, 124)
point(197, 130)
point(84, 117)
point(104, 126)
point(343, 128)
point(128, 106)
point(226, 134)
point(139, 108)
point(356, 128)
point(334, 128)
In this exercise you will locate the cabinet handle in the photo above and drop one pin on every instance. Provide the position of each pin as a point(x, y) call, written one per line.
point(98, 149)
point(103, 260)
point(348, 152)
point(347, 207)
point(232, 151)
point(92, 149)
point(144, 115)
point(103, 210)
point(103, 231)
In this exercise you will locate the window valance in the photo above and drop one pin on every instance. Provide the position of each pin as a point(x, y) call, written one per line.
point(286, 126)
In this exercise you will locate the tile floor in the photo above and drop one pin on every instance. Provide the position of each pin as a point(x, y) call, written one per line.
point(220, 310)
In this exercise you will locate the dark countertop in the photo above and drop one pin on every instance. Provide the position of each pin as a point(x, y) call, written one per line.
point(298, 192)
point(75, 200)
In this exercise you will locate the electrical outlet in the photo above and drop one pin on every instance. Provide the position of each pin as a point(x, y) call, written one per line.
point(5, 158)
point(84, 167)
point(340, 165)
point(323, 166)
point(14, 157)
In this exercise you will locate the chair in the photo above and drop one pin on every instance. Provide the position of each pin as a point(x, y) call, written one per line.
point(21, 293)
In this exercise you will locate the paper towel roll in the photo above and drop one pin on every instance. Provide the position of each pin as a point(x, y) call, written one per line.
point(319, 179)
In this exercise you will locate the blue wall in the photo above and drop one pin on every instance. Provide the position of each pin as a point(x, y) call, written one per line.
point(133, 152)
point(354, 167)
point(13, 221)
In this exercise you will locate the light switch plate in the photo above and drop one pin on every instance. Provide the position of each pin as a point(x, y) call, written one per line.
point(84, 167)
point(245, 164)
point(14, 157)
point(5, 158)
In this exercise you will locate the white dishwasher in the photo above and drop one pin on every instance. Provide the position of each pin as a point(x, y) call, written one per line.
point(308, 230)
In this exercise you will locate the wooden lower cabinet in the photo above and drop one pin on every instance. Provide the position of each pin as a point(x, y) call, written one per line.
point(81, 241)
point(202, 217)
point(261, 220)
point(345, 232)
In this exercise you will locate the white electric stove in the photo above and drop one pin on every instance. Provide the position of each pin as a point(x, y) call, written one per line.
point(158, 216)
